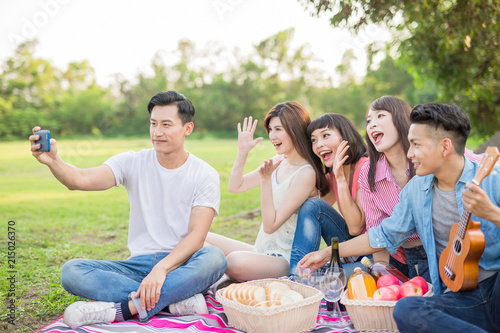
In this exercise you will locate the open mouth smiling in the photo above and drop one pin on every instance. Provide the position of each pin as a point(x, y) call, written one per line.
point(377, 136)
point(325, 154)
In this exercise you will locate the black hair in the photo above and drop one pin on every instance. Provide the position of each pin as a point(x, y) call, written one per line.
point(357, 146)
point(445, 117)
point(400, 111)
point(185, 108)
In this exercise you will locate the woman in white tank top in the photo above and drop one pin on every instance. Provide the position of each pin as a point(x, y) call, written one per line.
point(286, 182)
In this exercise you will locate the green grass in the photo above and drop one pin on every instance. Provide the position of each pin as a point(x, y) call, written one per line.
point(53, 224)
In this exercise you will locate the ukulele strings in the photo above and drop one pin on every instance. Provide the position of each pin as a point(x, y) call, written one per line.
point(450, 263)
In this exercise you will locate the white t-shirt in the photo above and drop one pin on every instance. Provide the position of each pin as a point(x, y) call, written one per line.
point(161, 199)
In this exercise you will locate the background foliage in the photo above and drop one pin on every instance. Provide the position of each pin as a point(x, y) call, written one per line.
point(453, 43)
point(442, 50)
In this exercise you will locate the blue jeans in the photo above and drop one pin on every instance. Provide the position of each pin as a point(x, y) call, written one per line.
point(316, 219)
point(114, 280)
point(416, 258)
point(470, 311)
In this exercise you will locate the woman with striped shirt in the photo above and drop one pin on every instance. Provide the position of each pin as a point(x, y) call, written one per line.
point(389, 170)
point(381, 180)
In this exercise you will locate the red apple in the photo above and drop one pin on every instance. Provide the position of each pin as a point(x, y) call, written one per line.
point(387, 280)
point(385, 294)
point(395, 288)
point(421, 282)
point(410, 289)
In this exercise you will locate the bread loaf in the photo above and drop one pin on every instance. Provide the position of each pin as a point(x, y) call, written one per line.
point(291, 296)
point(245, 294)
point(274, 290)
point(273, 294)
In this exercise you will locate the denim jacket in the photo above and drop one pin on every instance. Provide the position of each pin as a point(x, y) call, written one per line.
point(414, 213)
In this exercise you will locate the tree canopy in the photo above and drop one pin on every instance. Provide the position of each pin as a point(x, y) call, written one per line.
point(453, 43)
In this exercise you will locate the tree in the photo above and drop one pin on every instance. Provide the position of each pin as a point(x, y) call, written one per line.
point(34, 92)
point(454, 43)
point(28, 87)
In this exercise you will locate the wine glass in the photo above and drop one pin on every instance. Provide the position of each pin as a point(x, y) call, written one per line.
point(312, 279)
point(332, 285)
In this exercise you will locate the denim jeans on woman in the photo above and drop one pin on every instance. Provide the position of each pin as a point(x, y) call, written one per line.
point(470, 311)
point(317, 219)
point(114, 280)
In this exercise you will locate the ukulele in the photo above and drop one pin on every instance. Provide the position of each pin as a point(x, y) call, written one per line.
point(459, 261)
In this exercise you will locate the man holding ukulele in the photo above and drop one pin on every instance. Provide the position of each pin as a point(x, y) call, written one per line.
point(430, 204)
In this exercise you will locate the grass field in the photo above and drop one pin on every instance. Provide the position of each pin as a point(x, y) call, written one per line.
point(52, 224)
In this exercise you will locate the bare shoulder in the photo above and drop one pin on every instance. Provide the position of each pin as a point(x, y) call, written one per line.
point(307, 173)
point(278, 158)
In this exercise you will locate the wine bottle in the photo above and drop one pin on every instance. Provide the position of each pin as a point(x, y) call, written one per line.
point(379, 268)
point(335, 262)
point(335, 257)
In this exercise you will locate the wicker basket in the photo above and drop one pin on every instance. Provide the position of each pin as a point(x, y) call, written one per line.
point(373, 316)
point(293, 318)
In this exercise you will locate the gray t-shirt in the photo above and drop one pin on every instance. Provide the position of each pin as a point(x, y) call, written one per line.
point(444, 216)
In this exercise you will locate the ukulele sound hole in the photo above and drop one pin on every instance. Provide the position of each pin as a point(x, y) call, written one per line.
point(457, 246)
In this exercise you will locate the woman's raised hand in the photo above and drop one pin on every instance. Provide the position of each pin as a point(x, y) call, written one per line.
point(245, 135)
point(267, 168)
point(340, 158)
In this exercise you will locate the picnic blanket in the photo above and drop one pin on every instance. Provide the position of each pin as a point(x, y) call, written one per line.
point(164, 322)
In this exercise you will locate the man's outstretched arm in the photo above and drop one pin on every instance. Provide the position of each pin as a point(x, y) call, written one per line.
point(92, 179)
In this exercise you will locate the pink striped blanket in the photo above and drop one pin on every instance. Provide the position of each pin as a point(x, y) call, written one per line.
point(216, 321)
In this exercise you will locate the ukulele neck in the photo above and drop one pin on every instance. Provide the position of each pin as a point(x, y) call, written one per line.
point(464, 223)
point(465, 220)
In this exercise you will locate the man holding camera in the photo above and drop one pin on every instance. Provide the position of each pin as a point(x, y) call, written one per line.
point(174, 196)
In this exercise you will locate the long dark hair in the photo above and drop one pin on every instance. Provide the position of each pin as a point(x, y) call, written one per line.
point(357, 147)
point(295, 119)
point(400, 111)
